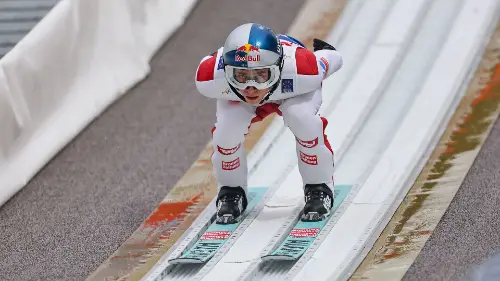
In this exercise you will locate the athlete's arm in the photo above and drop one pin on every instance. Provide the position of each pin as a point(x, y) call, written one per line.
point(314, 67)
point(210, 80)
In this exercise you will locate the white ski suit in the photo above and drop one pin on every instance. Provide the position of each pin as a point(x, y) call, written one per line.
point(297, 99)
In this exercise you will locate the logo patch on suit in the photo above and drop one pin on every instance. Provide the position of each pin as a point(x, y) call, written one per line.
point(221, 64)
point(228, 151)
point(287, 86)
point(231, 165)
point(324, 64)
point(309, 159)
point(308, 144)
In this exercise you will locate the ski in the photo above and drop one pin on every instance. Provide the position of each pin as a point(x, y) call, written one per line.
point(303, 234)
point(216, 235)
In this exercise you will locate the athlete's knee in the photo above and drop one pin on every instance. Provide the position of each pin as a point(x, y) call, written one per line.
point(229, 136)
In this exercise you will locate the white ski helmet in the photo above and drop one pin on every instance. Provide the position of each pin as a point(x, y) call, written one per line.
point(253, 47)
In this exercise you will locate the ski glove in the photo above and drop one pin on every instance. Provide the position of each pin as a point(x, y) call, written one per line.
point(321, 45)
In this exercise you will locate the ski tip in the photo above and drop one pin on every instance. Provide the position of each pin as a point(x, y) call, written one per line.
point(277, 258)
point(185, 261)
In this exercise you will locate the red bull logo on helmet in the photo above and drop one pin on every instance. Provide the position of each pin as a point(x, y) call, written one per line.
point(247, 48)
point(248, 58)
point(242, 53)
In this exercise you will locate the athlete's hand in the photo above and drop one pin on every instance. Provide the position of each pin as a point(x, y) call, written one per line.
point(321, 45)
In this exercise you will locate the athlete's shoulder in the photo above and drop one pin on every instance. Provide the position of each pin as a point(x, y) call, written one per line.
point(305, 62)
point(209, 66)
point(300, 72)
point(295, 52)
point(210, 80)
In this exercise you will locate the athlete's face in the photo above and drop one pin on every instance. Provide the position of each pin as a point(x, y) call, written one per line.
point(252, 95)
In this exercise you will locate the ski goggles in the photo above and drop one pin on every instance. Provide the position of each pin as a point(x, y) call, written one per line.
point(260, 78)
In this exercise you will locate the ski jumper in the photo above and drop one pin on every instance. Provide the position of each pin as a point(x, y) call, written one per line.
point(297, 99)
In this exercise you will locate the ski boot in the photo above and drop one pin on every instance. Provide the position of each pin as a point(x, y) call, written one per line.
point(231, 203)
point(319, 202)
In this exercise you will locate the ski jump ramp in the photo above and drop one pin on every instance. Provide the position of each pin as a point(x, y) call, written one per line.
point(406, 64)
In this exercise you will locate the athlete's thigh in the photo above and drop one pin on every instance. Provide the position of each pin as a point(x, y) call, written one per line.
point(234, 114)
point(304, 105)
